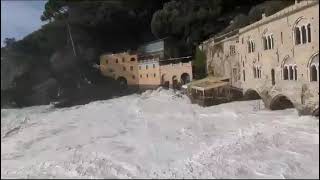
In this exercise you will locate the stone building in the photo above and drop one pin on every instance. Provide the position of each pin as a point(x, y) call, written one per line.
point(149, 67)
point(277, 58)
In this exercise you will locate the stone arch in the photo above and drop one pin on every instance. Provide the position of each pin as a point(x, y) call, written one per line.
point(280, 102)
point(185, 78)
point(174, 82)
point(164, 81)
point(122, 81)
point(252, 94)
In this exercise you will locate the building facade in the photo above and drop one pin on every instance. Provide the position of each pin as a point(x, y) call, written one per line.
point(277, 58)
point(149, 67)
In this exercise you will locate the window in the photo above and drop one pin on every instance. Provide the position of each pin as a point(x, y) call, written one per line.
point(133, 77)
point(285, 73)
point(257, 72)
point(110, 70)
point(232, 50)
point(116, 60)
point(281, 38)
point(140, 75)
point(313, 73)
point(302, 34)
point(242, 40)
point(297, 33)
point(147, 75)
point(309, 32)
point(132, 59)
point(244, 75)
point(122, 59)
point(289, 71)
point(146, 66)
point(123, 68)
point(154, 75)
point(106, 61)
point(314, 68)
point(268, 42)
point(131, 68)
point(251, 46)
point(154, 66)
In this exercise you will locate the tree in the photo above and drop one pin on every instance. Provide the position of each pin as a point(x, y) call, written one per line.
point(9, 41)
point(188, 20)
point(199, 63)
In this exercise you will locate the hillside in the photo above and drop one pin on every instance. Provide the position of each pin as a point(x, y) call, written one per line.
point(43, 64)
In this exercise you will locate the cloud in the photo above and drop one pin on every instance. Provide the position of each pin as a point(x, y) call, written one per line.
point(20, 18)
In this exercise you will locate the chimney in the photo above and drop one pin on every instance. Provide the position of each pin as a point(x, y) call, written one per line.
point(263, 15)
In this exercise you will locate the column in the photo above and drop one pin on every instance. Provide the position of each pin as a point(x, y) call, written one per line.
point(289, 76)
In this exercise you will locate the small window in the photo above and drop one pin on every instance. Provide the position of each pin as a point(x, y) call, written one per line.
point(297, 35)
point(281, 38)
point(309, 33)
point(154, 75)
point(133, 77)
point(242, 40)
point(122, 59)
point(132, 59)
point(304, 34)
point(244, 75)
point(146, 66)
point(147, 75)
point(140, 75)
point(131, 68)
point(116, 60)
point(123, 68)
point(106, 61)
point(232, 50)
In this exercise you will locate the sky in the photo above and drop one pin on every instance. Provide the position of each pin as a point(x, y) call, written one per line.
point(20, 18)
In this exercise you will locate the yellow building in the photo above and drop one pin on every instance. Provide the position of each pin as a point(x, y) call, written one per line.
point(148, 68)
point(121, 66)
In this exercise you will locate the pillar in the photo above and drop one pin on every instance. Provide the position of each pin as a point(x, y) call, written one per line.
point(293, 71)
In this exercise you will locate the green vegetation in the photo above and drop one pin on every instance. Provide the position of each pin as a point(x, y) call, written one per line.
point(199, 64)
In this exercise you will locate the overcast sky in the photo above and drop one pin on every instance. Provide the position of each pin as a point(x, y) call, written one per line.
point(19, 18)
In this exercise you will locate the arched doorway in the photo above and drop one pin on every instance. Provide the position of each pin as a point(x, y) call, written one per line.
point(123, 82)
point(281, 102)
point(251, 95)
point(273, 81)
point(174, 82)
point(185, 78)
point(164, 82)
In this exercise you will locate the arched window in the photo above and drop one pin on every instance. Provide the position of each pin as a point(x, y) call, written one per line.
point(314, 68)
point(297, 35)
point(309, 32)
point(285, 73)
point(304, 34)
point(254, 72)
point(313, 73)
point(264, 43)
point(269, 42)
